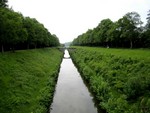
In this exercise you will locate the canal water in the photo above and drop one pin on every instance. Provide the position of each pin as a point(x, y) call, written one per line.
point(71, 95)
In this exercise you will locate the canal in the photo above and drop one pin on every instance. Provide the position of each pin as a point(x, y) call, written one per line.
point(71, 95)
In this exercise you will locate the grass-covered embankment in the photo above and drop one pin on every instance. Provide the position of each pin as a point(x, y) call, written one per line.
point(27, 80)
point(119, 78)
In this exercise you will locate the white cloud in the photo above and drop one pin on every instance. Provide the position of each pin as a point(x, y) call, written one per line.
point(69, 18)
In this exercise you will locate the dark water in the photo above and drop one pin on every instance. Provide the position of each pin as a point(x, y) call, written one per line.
point(71, 96)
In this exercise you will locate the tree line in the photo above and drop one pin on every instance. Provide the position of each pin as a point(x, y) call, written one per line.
point(127, 32)
point(19, 32)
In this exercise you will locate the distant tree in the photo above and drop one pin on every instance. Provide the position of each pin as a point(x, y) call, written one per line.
point(89, 37)
point(2, 28)
point(38, 35)
point(104, 27)
point(29, 24)
point(17, 31)
point(126, 32)
point(54, 40)
point(129, 25)
point(11, 31)
point(14, 29)
point(146, 34)
point(95, 37)
point(3, 3)
point(148, 20)
point(114, 35)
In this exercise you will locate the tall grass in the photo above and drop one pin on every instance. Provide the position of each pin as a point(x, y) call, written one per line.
point(27, 80)
point(119, 78)
point(134, 53)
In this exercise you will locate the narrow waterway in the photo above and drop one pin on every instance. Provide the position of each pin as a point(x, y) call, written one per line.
point(71, 95)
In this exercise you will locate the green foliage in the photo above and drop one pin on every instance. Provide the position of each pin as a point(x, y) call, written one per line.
point(3, 3)
point(21, 32)
point(127, 32)
point(119, 78)
point(148, 20)
point(27, 80)
point(145, 104)
point(11, 27)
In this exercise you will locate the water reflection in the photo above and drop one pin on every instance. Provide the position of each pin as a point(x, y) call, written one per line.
point(71, 94)
point(66, 55)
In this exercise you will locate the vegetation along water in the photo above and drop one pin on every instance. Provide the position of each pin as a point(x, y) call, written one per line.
point(119, 78)
point(27, 80)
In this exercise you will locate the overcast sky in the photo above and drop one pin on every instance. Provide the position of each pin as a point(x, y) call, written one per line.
point(70, 18)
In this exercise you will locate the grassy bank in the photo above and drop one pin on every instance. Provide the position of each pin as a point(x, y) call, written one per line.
point(27, 80)
point(119, 78)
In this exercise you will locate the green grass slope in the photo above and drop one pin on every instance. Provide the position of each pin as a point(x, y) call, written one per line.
point(119, 78)
point(27, 80)
point(143, 54)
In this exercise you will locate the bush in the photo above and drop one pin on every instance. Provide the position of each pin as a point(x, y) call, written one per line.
point(118, 78)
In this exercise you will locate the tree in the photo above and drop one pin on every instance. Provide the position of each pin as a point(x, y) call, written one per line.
point(54, 40)
point(126, 32)
point(95, 36)
point(11, 31)
point(2, 27)
point(129, 25)
point(114, 35)
point(14, 28)
point(17, 31)
point(104, 27)
point(3, 3)
point(148, 20)
point(28, 24)
point(146, 34)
